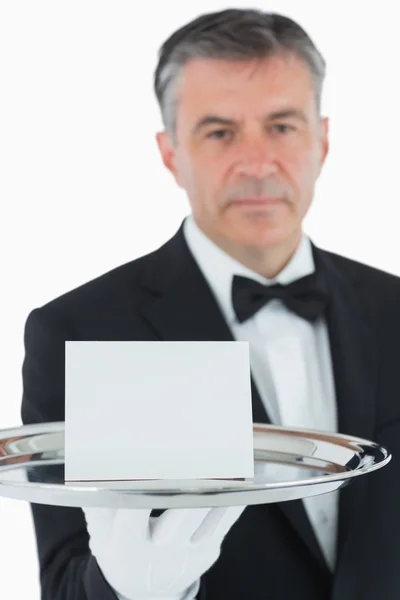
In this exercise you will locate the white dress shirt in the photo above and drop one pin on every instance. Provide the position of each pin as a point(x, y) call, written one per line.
point(289, 357)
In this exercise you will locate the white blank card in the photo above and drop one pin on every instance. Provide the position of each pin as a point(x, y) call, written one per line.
point(157, 410)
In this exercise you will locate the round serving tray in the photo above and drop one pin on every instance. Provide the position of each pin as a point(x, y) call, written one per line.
point(288, 464)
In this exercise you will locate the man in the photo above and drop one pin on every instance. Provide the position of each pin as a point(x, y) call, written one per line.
point(239, 93)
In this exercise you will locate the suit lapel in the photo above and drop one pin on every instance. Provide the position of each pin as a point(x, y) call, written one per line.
point(184, 307)
point(353, 348)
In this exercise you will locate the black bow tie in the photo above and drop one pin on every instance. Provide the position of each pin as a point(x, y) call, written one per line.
point(305, 296)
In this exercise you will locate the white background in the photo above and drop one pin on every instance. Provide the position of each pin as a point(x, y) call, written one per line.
point(83, 188)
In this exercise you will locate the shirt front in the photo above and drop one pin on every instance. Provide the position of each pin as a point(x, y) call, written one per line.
point(289, 357)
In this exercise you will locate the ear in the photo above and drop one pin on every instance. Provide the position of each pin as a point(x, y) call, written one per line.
point(324, 139)
point(323, 128)
point(168, 154)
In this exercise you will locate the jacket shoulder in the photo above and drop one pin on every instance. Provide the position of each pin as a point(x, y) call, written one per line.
point(112, 290)
point(380, 284)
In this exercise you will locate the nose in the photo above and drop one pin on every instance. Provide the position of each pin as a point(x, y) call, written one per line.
point(256, 160)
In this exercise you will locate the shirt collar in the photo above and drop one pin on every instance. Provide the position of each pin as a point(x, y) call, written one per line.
point(219, 268)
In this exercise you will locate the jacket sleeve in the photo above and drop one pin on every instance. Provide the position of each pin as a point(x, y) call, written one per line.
point(68, 570)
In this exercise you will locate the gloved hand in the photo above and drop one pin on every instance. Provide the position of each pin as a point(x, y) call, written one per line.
point(147, 557)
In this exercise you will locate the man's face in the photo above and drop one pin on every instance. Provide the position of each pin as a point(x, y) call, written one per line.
point(250, 146)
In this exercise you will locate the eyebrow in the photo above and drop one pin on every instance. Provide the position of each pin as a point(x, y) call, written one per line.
point(278, 114)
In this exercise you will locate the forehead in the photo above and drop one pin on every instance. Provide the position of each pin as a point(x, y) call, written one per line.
point(245, 86)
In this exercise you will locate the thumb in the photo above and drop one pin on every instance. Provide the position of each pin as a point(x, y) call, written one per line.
point(217, 523)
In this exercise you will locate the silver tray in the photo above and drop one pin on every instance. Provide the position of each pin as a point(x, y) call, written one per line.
point(288, 464)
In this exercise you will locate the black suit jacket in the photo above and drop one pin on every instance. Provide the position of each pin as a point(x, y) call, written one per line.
point(271, 552)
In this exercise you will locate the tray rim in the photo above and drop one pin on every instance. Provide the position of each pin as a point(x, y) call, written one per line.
point(258, 428)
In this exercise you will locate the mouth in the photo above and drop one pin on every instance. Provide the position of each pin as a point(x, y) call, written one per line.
point(258, 202)
point(261, 201)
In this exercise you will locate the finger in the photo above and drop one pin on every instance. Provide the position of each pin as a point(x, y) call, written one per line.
point(217, 523)
point(99, 518)
point(132, 523)
point(178, 523)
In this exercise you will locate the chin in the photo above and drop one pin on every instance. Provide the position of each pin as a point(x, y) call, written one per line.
point(262, 235)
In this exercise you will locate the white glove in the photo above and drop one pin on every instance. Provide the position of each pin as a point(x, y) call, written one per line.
point(145, 557)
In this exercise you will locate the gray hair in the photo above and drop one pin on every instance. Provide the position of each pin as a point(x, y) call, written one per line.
point(233, 34)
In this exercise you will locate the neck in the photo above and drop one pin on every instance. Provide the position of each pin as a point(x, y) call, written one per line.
point(267, 262)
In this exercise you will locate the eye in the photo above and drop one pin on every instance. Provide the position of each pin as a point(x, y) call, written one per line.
point(217, 133)
point(283, 128)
